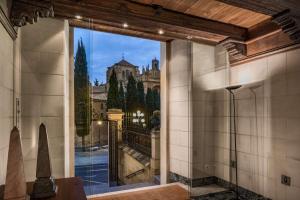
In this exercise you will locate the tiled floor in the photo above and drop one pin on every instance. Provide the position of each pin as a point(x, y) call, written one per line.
point(172, 192)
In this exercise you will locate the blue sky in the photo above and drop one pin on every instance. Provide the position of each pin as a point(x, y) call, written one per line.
point(105, 49)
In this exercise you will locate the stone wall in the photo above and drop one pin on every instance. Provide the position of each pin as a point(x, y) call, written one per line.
point(268, 142)
point(179, 102)
point(45, 98)
point(268, 118)
point(7, 69)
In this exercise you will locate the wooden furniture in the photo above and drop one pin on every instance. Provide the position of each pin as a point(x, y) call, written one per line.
point(68, 189)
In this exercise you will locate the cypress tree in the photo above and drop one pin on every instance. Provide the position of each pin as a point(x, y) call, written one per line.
point(81, 93)
point(131, 95)
point(113, 93)
point(156, 98)
point(140, 95)
point(122, 97)
point(149, 101)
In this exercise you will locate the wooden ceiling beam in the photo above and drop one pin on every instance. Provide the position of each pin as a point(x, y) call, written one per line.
point(283, 29)
point(262, 30)
point(150, 17)
point(145, 20)
point(285, 13)
point(133, 31)
point(117, 30)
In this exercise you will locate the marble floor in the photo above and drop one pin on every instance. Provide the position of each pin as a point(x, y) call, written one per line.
point(199, 191)
point(228, 195)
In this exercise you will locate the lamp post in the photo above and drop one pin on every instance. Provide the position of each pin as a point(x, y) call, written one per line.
point(99, 123)
point(139, 118)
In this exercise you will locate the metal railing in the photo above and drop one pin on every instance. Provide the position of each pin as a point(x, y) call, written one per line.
point(135, 173)
point(140, 142)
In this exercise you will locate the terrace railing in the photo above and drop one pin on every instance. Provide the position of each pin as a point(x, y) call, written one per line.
point(137, 134)
point(140, 142)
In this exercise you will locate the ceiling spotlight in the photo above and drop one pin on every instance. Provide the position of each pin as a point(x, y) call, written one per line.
point(125, 25)
point(78, 17)
point(160, 32)
point(189, 37)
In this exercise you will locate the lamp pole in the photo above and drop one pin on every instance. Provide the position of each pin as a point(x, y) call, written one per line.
point(99, 122)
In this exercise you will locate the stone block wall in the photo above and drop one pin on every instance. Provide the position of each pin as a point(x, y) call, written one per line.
point(44, 92)
point(267, 122)
point(7, 70)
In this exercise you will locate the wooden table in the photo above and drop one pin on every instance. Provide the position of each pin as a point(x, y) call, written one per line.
point(68, 189)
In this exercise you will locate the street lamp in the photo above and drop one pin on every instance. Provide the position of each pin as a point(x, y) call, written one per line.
point(139, 118)
point(99, 123)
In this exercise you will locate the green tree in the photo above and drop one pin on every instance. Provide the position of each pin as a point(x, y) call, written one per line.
point(140, 95)
point(96, 82)
point(122, 97)
point(81, 93)
point(149, 101)
point(113, 93)
point(156, 98)
point(131, 95)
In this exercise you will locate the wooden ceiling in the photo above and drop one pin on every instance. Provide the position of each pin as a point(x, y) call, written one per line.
point(245, 28)
point(212, 9)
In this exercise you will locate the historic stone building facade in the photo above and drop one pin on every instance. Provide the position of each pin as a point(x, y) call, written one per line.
point(99, 100)
point(123, 70)
point(149, 76)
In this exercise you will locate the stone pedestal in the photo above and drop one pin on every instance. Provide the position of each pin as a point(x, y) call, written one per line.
point(116, 115)
point(155, 152)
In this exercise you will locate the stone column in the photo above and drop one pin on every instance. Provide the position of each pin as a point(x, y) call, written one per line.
point(116, 115)
point(155, 152)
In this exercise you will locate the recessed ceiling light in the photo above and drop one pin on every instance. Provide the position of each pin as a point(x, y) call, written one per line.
point(160, 32)
point(189, 37)
point(125, 25)
point(78, 17)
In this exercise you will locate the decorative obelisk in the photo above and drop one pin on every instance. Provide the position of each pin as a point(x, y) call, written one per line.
point(44, 185)
point(15, 184)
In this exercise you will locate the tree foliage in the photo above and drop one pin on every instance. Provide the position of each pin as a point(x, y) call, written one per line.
point(81, 93)
point(131, 95)
point(96, 82)
point(156, 99)
point(140, 95)
point(149, 101)
point(113, 92)
point(122, 97)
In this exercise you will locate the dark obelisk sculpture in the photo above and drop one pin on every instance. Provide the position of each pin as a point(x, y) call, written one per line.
point(44, 186)
point(15, 184)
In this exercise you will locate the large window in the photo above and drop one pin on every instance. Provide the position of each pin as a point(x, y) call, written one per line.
point(125, 88)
